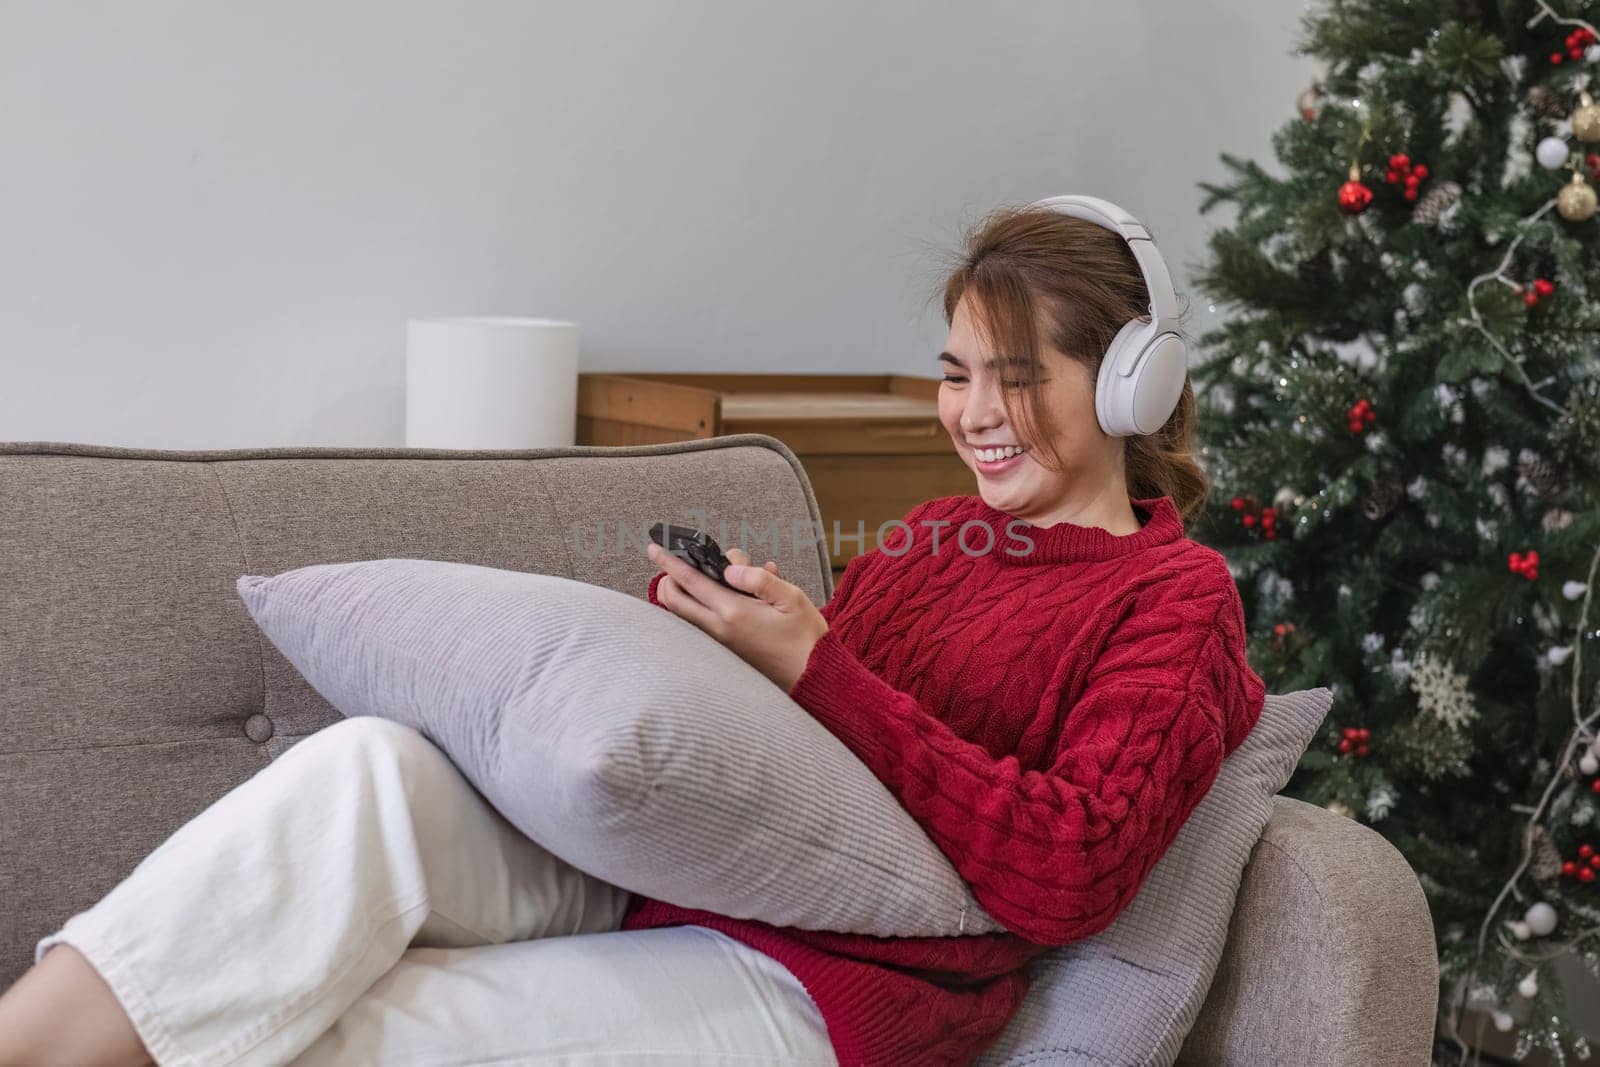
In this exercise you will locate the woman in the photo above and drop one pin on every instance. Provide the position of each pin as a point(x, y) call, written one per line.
point(1047, 675)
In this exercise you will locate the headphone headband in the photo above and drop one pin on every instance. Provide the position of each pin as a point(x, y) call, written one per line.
point(1157, 281)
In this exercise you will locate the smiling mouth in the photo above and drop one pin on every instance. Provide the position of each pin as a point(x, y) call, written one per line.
point(997, 466)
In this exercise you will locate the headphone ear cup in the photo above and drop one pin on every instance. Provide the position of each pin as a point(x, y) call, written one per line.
point(1140, 403)
point(1158, 383)
point(1113, 392)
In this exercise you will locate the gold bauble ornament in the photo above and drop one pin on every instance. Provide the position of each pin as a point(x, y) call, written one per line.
point(1586, 120)
point(1576, 200)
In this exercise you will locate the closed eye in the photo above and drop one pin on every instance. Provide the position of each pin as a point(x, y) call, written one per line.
point(1010, 383)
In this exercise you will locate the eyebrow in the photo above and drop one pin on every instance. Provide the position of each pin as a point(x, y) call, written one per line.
point(1010, 361)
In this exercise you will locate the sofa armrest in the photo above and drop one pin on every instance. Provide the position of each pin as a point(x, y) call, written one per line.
point(1330, 955)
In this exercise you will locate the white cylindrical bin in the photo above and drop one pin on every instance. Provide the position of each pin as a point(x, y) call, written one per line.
point(491, 382)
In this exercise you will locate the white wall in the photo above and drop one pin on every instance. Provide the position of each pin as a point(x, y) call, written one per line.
point(218, 216)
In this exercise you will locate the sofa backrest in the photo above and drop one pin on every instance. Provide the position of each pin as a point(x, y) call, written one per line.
point(134, 687)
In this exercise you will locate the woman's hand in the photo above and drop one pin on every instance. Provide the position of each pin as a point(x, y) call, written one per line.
point(774, 631)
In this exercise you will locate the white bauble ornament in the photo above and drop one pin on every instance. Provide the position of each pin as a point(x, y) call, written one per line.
point(1558, 655)
point(1588, 763)
point(1574, 590)
point(1284, 498)
point(1592, 53)
point(1529, 986)
point(1520, 931)
point(1552, 153)
point(1541, 919)
point(1503, 1021)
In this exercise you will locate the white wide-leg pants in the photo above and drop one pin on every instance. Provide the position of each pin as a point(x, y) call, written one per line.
point(357, 901)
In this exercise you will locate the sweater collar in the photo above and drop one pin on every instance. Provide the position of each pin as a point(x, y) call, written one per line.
point(1066, 542)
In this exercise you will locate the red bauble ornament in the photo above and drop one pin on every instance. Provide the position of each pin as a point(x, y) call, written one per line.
point(1354, 197)
point(1543, 286)
point(1585, 851)
point(1586, 875)
point(1595, 785)
point(1569, 868)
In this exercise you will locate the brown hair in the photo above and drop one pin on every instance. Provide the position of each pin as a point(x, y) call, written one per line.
point(1034, 272)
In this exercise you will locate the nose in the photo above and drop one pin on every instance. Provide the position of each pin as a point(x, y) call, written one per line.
point(983, 408)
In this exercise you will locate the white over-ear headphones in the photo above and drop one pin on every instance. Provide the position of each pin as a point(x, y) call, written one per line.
point(1142, 373)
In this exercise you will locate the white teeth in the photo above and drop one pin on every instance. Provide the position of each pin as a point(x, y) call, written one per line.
point(989, 455)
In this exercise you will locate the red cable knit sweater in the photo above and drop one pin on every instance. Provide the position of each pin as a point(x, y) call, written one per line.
point(1049, 711)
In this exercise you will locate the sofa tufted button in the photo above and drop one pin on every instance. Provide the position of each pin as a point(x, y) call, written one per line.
point(258, 728)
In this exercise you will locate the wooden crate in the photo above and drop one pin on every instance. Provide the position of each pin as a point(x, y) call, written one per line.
point(871, 444)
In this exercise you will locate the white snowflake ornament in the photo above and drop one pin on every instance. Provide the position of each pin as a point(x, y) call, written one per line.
point(1442, 692)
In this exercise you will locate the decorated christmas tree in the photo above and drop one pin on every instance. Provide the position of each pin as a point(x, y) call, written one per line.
point(1401, 417)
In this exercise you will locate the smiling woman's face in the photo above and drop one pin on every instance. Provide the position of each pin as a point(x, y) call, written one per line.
point(974, 415)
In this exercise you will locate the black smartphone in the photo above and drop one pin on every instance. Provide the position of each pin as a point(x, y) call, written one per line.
point(700, 549)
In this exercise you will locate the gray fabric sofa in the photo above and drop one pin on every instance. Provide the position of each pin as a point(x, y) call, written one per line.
point(133, 686)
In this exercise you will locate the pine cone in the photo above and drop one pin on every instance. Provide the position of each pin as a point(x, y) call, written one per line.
point(1542, 476)
point(1545, 862)
point(1381, 498)
point(1546, 102)
point(1435, 202)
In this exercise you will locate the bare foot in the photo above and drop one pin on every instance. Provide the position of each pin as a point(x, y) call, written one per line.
point(61, 1012)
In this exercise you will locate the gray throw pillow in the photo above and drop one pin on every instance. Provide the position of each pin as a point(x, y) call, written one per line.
point(622, 738)
point(1131, 993)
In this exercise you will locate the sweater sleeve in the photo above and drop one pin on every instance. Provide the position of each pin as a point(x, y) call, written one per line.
point(1056, 854)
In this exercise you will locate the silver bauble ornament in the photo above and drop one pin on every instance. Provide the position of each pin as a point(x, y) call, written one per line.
point(1552, 153)
point(1541, 919)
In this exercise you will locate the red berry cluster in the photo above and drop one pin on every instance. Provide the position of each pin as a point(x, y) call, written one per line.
point(1355, 739)
point(1361, 415)
point(1532, 294)
point(1525, 564)
point(1577, 41)
point(1400, 169)
point(1586, 866)
point(1281, 634)
point(1252, 516)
